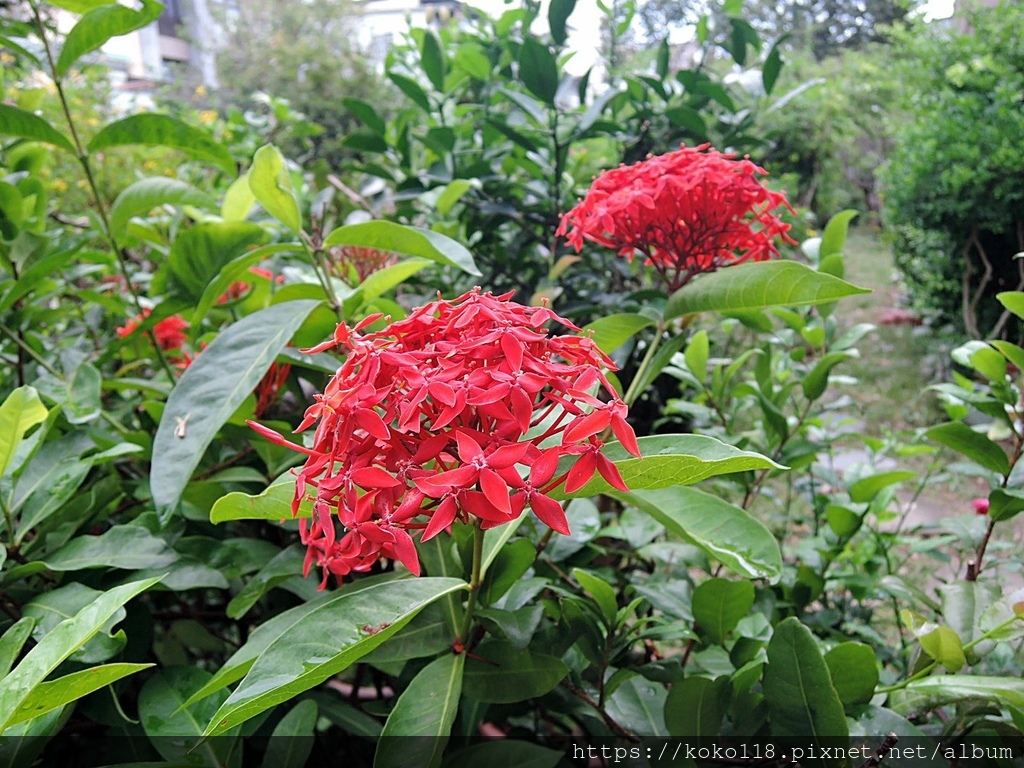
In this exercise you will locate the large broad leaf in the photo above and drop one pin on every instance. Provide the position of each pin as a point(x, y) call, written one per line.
point(25, 125)
point(324, 642)
point(200, 253)
point(538, 70)
point(558, 14)
point(719, 604)
point(101, 24)
point(58, 644)
point(146, 194)
point(64, 690)
point(974, 445)
point(611, 332)
point(726, 532)
point(411, 241)
point(163, 131)
point(426, 709)
point(696, 706)
point(211, 389)
point(854, 671)
point(505, 675)
point(271, 184)
point(21, 411)
point(124, 546)
point(798, 689)
point(753, 286)
point(672, 460)
point(274, 503)
point(939, 690)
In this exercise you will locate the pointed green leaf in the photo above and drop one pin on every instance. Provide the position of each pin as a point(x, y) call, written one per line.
point(273, 503)
point(695, 707)
point(411, 88)
point(974, 445)
point(558, 14)
point(602, 593)
point(719, 604)
point(753, 286)
point(21, 411)
point(834, 237)
point(538, 70)
point(164, 131)
point(234, 271)
point(726, 532)
point(865, 489)
point(271, 183)
point(925, 695)
point(292, 740)
point(798, 688)
point(25, 125)
point(697, 355)
point(12, 642)
point(212, 389)
point(507, 675)
point(146, 194)
point(432, 58)
point(410, 241)
point(382, 281)
point(131, 547)
point(426, 709)
point(1012, 300)
point(59, 643)
point(611, 332)
point(99, 25)
point(945, 647)
point(64, 690)
point(324, 642)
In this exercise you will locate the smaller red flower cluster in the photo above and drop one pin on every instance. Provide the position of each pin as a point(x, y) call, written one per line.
point(687, 212)
point(169, 332)
point(347, 260)
point(464, 409)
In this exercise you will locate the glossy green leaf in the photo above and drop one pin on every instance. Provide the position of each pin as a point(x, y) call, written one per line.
point(1012, 300)
point(64, 690)
point(26, 125)
point(696, 355)
point(146, 194)
point(201, 252)
point(426, 709)
point(757, 285)
point(382, 281)
point(696, 706)
point(724, 531)
point(410, 241)
point(816, 381)
point(212, 389)
point(425, 636)
point(944, 646)
point(667, 460)
point(974, 445)
point(285, 565)
point(508, 675)
point(411, 88)
point(234, 271)
point(12, 641)
point(238, 200)
point(719, 604)
point(601, 591)
point(558, 14)
point(50, 608)
point(131, 547)
point(325, 641)
point(854, 671)
point(97, 27)
point(865, 489)
point(274, 503)
point(538, 70)
point(638, 705)
point(924, 695)
point(292, 740)
point(1005, 503)
point(771, 68)
point(833, 239)
point(432, 58)
point(798, 689)
point(611, 332)
point(163, 131)
point(21, 411)
point(58, 644)
point(271, 184)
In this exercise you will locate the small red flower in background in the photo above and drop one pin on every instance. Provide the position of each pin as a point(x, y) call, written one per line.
point(347, 259)
point(169, 332)
point(435, 414)
point(267, 274)
point(980, 506)
point(686, 212)
point(234, 292)
point(270, 386)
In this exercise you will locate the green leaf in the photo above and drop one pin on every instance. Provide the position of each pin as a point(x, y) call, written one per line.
point(233, 271)
point(719, 604)
point(772, 67)
point(1012, 300)
point(146, 194)
point(432, 58)
point(25, 125)
point(816, 381)
point(292, 740)
point(411, 88)
point(382, 281)
point(974, 445)
point(611, 332)
point(64, 690)
point(59, 643)
point(696, 706)
point(505, 753)
point(672, 460)
point(200, 252)
point(753, 286)
point(834, 237)
point(538, 70)
point(798, 689)
point(324, 642)
point(697, 355)
point(411, 241)
point(854, 671)
point(366, 114)
point(865, 489)
point(21, 411)
point(97, 26)
point(212, 389)
point(1011, 352)
point(939, 690)
point(724, 531)
point(945, 647)
point(271, 183)
point(508, 675)
point(164, 131)
point(601, 591)
point(1005, 503)
point(84, 395)
point(238, 200)
point(274, 503)
point(12, 642)
point(285, 565)
point(131, 547)
point(453, 192)
point(558, 14)
point(638, 704)
point(426, 709)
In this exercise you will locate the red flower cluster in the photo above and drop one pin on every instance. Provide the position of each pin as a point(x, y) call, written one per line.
point(687, 212)
point(363, 262)
point(169, 332)
point(270, 386)
point(436, 414)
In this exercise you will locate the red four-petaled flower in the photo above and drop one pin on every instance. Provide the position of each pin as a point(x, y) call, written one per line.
point(686, 212)
point(462, 410)
point(169, 332)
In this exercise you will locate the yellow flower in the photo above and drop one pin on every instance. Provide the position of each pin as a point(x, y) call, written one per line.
point(207, 116)
point(6, 58)
point(200, 91)
point(60, 185)
point(149, 165)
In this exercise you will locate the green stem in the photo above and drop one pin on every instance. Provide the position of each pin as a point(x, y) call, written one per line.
point(641, 373)
point(474, 582)
point(83, 159)
point(324, 277)
point(22, 346)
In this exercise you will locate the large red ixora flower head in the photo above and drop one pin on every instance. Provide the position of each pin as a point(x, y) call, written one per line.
point(686, 212)
point(462, 410)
